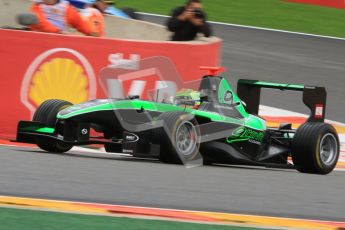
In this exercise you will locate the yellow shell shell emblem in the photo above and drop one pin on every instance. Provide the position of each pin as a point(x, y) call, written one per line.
point(60, 78)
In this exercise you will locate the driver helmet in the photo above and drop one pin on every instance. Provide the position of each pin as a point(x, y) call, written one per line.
point(188, 98)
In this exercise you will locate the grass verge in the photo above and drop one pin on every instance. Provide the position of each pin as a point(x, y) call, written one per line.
point(276, 14)
point(15, 219)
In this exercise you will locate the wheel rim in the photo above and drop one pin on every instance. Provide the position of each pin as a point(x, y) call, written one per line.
point(186, 138)
point(328, 149)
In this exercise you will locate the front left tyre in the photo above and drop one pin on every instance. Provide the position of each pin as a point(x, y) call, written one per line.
point(46, 113)
point(178, 138)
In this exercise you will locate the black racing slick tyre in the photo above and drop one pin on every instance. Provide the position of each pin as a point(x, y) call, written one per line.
point(178, 138)
point(315, 148)
point(47, 113)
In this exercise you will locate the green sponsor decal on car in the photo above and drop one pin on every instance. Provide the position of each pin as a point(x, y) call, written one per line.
point(244, 134)
point(38, 129)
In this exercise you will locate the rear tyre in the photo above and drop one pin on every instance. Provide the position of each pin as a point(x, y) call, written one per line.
point(46, 113)
point(315, 148)
point(178, 138)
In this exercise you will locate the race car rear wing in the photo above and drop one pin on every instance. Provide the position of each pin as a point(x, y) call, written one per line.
point(313, 97)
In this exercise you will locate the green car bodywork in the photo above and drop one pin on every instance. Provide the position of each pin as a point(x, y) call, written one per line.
point(214, 122)
point(247, 121)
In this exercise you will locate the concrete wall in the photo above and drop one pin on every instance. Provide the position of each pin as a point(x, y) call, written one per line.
point(133, 29)
point(115, 27)
point(9, 10)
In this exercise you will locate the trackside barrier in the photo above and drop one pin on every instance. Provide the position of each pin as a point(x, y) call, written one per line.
point(38, 66)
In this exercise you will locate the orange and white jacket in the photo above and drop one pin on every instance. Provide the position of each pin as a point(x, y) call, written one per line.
point(95, 19)
point(56, 18)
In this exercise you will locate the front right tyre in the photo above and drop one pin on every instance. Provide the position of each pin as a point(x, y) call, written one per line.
point(315, 148)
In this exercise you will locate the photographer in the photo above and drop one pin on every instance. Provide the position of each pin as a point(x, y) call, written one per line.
point(186, 21)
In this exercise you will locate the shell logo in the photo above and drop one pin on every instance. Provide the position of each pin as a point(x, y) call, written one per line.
point(51, 76)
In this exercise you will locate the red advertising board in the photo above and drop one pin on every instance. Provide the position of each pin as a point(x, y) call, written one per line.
point(38, 66)
point(328, 3)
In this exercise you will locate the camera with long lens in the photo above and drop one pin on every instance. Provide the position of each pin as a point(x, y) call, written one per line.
point(198, 13)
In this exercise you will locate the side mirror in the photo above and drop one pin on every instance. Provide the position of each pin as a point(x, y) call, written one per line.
point(27, 19)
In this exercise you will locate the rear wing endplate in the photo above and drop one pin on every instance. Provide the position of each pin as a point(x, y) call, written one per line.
point(313, 97)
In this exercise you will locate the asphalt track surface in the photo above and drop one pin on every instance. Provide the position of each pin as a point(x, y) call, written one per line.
point(109, 179)
point(286, 58)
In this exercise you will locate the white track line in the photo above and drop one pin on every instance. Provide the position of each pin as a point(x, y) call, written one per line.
point(255, 27)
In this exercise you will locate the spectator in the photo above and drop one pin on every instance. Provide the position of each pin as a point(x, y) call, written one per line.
point(93, 17)
point(186, 21)
point(54, 16)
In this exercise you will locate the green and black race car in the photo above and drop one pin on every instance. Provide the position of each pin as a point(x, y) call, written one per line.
point(211, 125)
